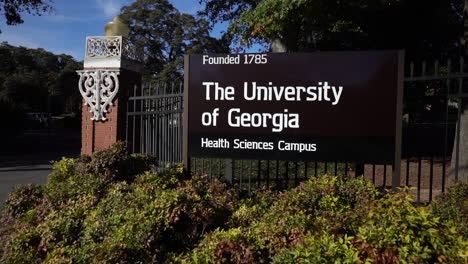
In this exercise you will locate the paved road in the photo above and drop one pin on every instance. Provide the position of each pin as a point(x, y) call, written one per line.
point(26, 158)
point(13, 176)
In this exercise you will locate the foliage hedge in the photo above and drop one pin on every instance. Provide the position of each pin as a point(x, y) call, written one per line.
point(111, 208)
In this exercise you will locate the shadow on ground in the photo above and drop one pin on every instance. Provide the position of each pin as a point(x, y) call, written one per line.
point(26, 157)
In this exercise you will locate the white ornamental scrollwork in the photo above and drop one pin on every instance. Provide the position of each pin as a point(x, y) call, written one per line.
point(100, 47)
point(98, 88)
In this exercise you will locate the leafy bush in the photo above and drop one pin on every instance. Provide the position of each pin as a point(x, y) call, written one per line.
point(115, 163)
point(252, 208)
point(58, 194)
point(22, 199)
point(116, 214)
point(91, 175)
point(110, 208)
point(23, 247)
point(397, 231)
point(453, 207)
point(63, 170)
point(271, 223)
point(226, 246)
point(134, 223)
point(320, 248)
point(332, 220)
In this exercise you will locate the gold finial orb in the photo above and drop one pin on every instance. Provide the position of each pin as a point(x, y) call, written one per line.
point(117, 27)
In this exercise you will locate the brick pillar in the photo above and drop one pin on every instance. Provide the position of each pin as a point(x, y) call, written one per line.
point(112, 73)
point(96, 135)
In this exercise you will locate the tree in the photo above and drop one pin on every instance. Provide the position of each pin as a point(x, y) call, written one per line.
point(419, 26)
point(31, 78)
point(226, 11)
point(64, 92)
point(165, 35)
point(12, 9)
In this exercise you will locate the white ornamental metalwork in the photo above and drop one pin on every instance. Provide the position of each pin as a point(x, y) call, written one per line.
point(112, 46)
point(98, 88)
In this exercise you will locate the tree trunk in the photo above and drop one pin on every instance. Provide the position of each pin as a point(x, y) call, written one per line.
point(459, 163)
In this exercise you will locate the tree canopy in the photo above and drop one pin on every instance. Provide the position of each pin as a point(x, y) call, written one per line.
point(12, 9)
point(421, 27)
point(31, 79)
point(166, 35)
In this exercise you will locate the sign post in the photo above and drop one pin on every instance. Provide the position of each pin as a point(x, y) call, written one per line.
point(185, 117)
point(398, 122)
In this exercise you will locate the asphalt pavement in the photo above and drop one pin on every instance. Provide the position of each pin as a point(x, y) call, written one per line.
point(26, 158)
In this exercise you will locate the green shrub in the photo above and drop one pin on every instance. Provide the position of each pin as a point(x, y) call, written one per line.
point(113, 209)
point(22, 199)
point(269, 223)
point(62, 227)
point(116, 164)
point(331, 220)
point(59, 193)
point(226, 246)
point(51, 218)
point(329, 204)
point(91, 175)
point(453, 207)
point(159, 181)
point(396, 231)
point(127, 227)
point(135, 225)
point(213, 201)
point(252, 208)
point(91, 220)
point(320, 248)
point(63, 170)
point(23, 247)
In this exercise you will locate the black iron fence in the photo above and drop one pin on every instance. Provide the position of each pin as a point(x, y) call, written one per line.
point(432, 99)
point(432, 105)
point(154, 121)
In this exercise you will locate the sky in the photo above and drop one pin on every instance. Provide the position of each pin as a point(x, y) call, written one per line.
point(65, 30)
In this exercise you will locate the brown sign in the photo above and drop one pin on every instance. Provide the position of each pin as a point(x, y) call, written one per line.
point(337, 106)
